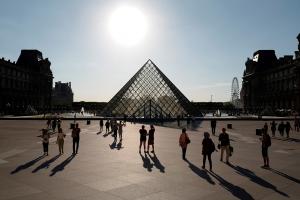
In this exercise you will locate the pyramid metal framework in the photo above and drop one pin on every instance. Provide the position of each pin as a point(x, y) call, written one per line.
point(149, 94)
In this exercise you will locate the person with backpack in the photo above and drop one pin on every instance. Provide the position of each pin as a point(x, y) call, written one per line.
point(208, 147)
point(184, 140)
point(265, 144)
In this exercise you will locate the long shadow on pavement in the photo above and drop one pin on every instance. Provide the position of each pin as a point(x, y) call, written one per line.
point(46, 164)
point(157, 163)
point(146, 162)
point(235, 190)
point(27, 165)
point(256, 179)
point(202, 173)
point(285, 175)
point(61, 166)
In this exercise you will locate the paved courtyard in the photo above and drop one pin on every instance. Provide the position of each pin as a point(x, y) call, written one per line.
point(104, 171)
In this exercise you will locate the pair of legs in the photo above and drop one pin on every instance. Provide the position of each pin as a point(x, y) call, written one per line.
point(120, 135)
point(265, 155)
point(183, 153)
point(45, 147)
point(152, 144)
point(142, 142)
point(209, 160)
point(61, 146)
point(75, 145)
point(288, 134)
point(213, 130)
point(273, 133)
point(225, 148)
point(101, 128)
point(107, 129)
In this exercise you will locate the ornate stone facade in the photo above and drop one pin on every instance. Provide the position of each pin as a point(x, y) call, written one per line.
point(271, 84)
point(62, 97)
point(26, 83)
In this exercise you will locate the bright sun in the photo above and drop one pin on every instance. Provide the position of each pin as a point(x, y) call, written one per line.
point(127, 25)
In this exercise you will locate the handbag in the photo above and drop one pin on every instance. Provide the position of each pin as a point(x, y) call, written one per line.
point(188, 140)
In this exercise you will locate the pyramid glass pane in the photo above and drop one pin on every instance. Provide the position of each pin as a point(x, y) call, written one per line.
point(149, 94)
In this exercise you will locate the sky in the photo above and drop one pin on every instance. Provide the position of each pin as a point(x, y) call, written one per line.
point(200, 45)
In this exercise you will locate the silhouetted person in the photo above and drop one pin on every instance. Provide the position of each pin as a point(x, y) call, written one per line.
point(107, 126)
point(53, 125)
point(120, 130)
point(143, 138)
point(101, 125)
point(208, 147)
point(184, 140)
point(60, 140)
point(296, 124)
point(115, 131)
point(281, 127)
point(265, 129)
point(288, 127)
point(265, 144)
point(49, 123)
point(213, 124)
point(151, 138)
point(45, 140)
point(178, 120)
point(224, 145)
point(76, 138)
point(58, 123)
point(273, 128)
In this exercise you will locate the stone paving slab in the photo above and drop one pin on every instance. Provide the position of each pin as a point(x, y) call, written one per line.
point(102, 171)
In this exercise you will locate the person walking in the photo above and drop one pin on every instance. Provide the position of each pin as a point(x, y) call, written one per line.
point(265, 144)
point(58, 123)
point(53, 125)
point(273, 128)
point(184, 140)
point(143, 138)
point(151, 138)
point(101, 125)
point(107, 126)
point(208, 147)
point(281, 128)
point(45, 139)
point(296, 124)
point(115, 131)
point(266, 127)
point(213, 124)
point(288, 127)
point(120, 130)
point(224, 143)
point(48, 123)
point(76, 138)
point(60, 140)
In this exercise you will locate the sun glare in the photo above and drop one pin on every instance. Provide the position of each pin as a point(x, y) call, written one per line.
point(127, 25)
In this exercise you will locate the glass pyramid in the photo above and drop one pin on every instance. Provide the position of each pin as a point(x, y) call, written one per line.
point(149, 94)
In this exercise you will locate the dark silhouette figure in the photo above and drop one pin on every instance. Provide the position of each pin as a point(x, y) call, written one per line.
point(157, 163)
point(27, 165)
point(62, 165)
point(213, 124)
point(281, 127)
point(288, 127)
point(46, 164)
point(143, 138)
point(256, 179)
point(107, 126)
point(202, 173)
point(235, 190)
point(285, 175)
point(53, 125)
point(208, 147)
point(151, 138)
point(273, 128)
point(76, 138)
point(101, 125)
point(146, 162)
point(224, 145)
point(265, 144)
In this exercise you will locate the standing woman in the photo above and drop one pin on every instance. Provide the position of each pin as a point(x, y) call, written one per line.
point(143, 138)
point(45, 138)
point(120, 130)
point(60, 140)
point(151, 138)
point(208, 147)
point(184, 140)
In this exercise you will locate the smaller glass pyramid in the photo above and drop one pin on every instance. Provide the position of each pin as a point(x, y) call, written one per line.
point(149, 94)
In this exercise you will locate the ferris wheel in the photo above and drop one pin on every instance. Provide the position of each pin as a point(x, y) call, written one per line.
point(235, 91)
